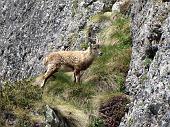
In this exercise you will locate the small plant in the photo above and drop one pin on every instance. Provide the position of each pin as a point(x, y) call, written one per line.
point(119, 79)
point(72, 38)
point(147, 62)
point(143, 78)
point(130, 121)
point(84, 46)
point(97, 122)
point(100, 17)
point(25, 122)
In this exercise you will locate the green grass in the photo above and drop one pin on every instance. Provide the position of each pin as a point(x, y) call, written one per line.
point(117, 30)
point(101, 17)
point(102, 81)
point(147, 62)
point(97, 122)
point(112, 66)
point(19, 98)
point(84, 46)
point(64, 88)
point(21, 94)
point(122, 31)
point(106, 75)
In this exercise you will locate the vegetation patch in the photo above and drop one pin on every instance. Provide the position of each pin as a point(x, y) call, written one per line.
point(117, 31)
point(101, 17)
point(97, 122)
point(21, 94)
point(74, 7)
point(112, 111)
point(17, 101)
point(64, 88)
point(100, 95)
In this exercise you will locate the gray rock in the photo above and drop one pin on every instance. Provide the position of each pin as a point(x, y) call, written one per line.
point(53, 119)
point(117, 6)
point(148, 79)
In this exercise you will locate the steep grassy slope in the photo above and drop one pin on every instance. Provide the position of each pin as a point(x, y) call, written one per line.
point(102, 85)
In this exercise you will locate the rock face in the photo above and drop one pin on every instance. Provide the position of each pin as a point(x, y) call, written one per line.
point(53, 119)
point(29, 29)
point(148, 79)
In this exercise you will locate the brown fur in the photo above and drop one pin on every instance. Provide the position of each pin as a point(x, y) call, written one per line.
point(75, 61)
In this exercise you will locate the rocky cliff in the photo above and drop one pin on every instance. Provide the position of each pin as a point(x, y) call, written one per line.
point(148, 79)
point(29, 29)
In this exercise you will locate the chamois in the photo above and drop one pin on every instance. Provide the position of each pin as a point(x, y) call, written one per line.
point(75, 61)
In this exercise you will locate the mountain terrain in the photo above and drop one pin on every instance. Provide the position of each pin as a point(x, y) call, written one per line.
point(128, 86)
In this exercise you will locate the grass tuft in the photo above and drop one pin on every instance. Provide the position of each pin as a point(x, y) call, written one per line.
point(19, 99)
point(101, 17)
point(21, 94)
point(117, 30)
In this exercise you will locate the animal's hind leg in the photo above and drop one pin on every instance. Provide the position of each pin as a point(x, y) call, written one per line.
point(51, 69)
point(76, 76)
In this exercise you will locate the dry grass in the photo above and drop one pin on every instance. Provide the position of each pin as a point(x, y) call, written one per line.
point(75, 117)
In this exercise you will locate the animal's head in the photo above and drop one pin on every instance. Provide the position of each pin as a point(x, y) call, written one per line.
point(95, 49)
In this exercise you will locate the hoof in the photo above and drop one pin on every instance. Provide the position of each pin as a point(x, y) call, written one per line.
point(39, 81)
point(42, 84)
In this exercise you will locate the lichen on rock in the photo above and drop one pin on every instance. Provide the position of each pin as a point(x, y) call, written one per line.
point(148, 79)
